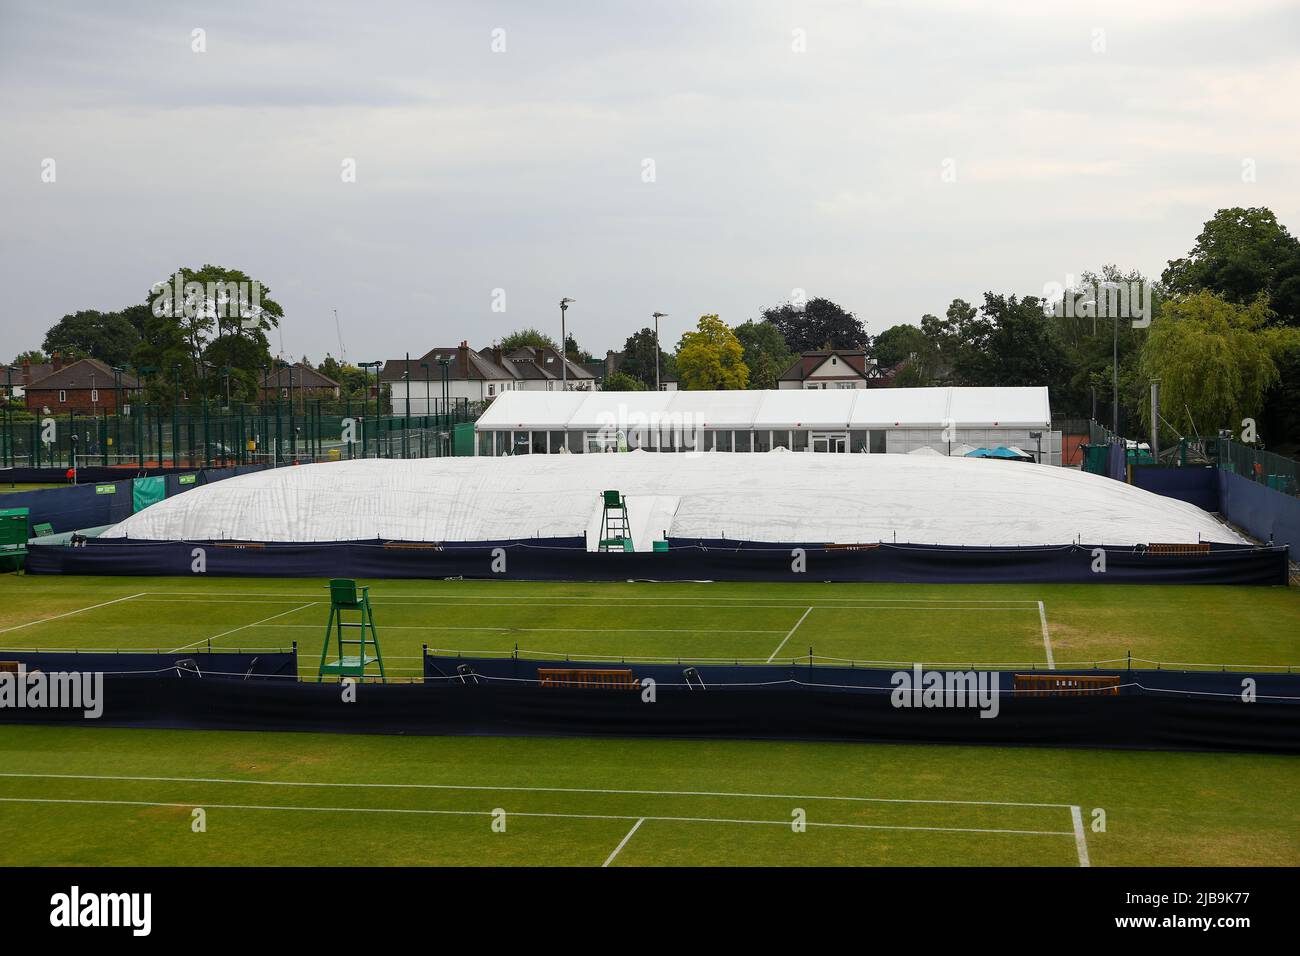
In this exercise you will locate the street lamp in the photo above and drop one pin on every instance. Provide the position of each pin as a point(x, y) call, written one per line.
point(564, 340)
point(657, 317)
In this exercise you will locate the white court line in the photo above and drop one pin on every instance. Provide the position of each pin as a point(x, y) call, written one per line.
point(1047, 640)
point(508, 789)
point(1080, 840)
point(787, 637)
point(595, 597)
point(661, 607)
point(521, 813)
point(19, 627)
point(623, 842)
point(208, 640)
point(562, 630)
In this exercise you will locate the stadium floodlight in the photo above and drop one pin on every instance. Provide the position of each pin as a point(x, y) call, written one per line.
point(564, 341)
point(657, 317)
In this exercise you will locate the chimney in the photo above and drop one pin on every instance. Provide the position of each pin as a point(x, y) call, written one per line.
point(27, 373)
point(496, 356)
point(462, 359)
point(56, 361)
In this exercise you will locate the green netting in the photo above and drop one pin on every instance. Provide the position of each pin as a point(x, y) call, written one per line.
point(147, 491)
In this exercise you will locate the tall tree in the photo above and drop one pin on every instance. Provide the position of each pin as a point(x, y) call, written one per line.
point(1239, 254)
point(639, 358)
point(899, 342)
point(107, 336)
point(1006, 344)
point(952, 336)
point(528, 338)
point(819, 324)
point(623, 382)
point(765, 351)
point(573, 352)
point(1088, 343)
point(200, 322)
point(1215, 360)
point(711, 357)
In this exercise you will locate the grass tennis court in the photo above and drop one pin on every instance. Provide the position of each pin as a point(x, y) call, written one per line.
point(959, 624)
point(90, 796)
point(429, 800)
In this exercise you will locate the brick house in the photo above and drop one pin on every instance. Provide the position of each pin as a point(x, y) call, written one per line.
point(86, 386)
point(306, 383)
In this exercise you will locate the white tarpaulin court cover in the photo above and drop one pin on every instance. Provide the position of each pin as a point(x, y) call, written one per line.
point(776, 496)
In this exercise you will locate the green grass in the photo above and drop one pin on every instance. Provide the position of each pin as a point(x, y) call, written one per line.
point(981, 625)
point(7, 487)
point(724, 797)
point(1161, 808)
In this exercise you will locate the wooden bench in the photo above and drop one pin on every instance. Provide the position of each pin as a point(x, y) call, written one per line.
point(1067, 685)
point(1202, 548)
point(586, 678)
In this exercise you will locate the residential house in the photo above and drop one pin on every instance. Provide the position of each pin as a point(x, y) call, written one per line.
point(833, 368)
point(297, 383)
point(85, 386)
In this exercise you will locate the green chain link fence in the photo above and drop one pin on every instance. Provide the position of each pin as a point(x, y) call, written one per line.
point(193, 436)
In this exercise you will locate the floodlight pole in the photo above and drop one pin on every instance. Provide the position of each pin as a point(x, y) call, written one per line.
point(1114, 379)
point(657, 317)
point(406, 377)
point(1155, 420)
point(564, 342)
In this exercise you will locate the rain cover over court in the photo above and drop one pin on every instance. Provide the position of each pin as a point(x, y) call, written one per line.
point(776, 496)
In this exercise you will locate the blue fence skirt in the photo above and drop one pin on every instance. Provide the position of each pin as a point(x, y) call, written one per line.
point(566, 559)
point(1158, 710)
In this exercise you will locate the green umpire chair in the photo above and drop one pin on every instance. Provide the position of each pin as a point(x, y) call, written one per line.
point(346, 598)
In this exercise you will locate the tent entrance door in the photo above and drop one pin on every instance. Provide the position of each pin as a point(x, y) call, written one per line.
point(836, 442)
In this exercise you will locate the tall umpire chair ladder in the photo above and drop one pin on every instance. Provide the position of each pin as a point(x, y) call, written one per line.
point(345, 596)
point(615, 531)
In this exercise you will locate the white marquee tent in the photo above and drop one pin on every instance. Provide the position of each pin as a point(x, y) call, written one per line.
point(869, 420)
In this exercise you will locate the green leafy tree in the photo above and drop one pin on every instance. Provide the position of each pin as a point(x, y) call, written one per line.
point(31, 356)
point(1239, 254)
point(1087, 342)
point(952, 337)
point(1006, 343)
point(1215, 360)
point(898, 343)
point(574, 353)
point(352, 380)
point(711, 357)
point(107, 336)
point(639, 358)
point(623, 382)
point(766, 354)
point(819, 324)
point(201, 323)
point(528, 338)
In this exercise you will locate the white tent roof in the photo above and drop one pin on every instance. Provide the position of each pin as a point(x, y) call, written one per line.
point(776, 496)
point(783, 408)
point(806, 408)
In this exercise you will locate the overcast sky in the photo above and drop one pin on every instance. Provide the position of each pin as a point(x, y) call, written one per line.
point(887, 155)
